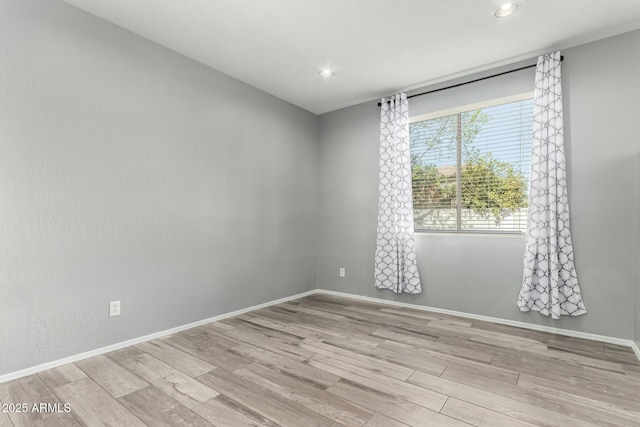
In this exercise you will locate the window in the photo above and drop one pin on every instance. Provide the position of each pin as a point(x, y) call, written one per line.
point(471, 167)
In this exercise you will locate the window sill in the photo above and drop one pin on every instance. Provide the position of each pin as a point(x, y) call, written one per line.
point(467, 234)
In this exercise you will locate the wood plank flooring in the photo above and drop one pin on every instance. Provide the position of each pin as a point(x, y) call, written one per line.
point(329, 361)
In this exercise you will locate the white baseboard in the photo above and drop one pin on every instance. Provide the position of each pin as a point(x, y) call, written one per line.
point(542, 328)
point(43, 367)
point(566, 332)
point(636, 350)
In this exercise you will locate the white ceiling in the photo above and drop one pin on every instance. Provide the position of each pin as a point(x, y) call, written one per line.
point(377, 47)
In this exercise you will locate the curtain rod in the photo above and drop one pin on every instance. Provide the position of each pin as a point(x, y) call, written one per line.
point(474, 81)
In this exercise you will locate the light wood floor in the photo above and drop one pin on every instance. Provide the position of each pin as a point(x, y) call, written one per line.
point(328, 361)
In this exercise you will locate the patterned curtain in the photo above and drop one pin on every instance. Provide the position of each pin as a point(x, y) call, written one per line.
point(395, 261)
point(550, 283)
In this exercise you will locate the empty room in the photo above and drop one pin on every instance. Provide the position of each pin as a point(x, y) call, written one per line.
point(298, 213)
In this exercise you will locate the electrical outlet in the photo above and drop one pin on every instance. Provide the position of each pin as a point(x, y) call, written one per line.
point(343, 272)
point(114, 308)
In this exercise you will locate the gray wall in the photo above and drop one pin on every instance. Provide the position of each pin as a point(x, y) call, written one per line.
point(481, 274)
point(129, 172)
point(636, 329)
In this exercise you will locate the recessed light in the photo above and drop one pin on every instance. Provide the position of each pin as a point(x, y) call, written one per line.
point(506, 9)
point(326, 73)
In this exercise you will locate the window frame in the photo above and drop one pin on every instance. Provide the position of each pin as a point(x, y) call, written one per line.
point(463, 109)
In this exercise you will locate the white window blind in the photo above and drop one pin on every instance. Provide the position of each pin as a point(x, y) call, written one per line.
point(471, 167)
